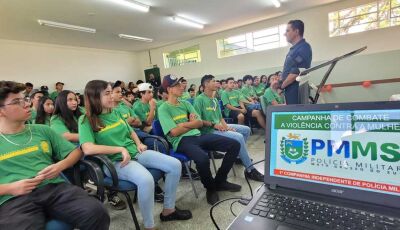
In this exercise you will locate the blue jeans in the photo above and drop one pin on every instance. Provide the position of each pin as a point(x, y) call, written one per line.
point(135, 171)
point(241, 135)
point(255, 106)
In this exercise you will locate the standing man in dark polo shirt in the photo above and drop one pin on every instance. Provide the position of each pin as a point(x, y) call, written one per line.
point(299, 56)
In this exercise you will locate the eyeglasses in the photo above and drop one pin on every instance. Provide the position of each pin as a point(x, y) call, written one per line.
point(19, 101)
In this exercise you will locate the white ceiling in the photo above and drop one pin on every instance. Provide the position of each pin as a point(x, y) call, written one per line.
point(18, 20)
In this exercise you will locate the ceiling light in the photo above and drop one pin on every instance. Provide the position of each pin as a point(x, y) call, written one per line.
point(133, 4)
point(66, 26)
point(126, 36)
point(188, 22)
point(276, 3)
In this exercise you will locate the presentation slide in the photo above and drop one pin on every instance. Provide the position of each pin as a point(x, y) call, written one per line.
point(358, 149)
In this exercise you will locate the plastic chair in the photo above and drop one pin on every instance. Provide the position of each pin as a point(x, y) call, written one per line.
point(157, 130)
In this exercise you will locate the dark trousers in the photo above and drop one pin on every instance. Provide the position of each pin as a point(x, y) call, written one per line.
point(197, 147)
point(292, 94)
point(62, 201)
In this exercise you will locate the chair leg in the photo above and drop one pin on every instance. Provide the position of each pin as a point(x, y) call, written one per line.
point(213, 161)
point(190, 178)
point(233, 170)
point(128, 198)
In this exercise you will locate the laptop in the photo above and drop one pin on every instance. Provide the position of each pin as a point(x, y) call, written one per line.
point(329, 166)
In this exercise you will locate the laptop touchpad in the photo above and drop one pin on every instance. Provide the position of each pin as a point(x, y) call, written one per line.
point(285, 227)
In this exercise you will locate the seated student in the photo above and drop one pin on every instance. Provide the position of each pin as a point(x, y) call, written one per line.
point(185, 95)
point(264, 80)
point(65, 117)
point(208, 108)
point(240, 83)
point(35, 98)
point(273, 94)
point(127, 113)
point(79, 100)
point(192, 92)
point(129, 97)
point(252, 104)
point(28, 89)
point(180, 123)
point(59, 88)
point(200, 91)
point(258, 86)
point(45, 111)
point(103, 131)
point(31, 190)
point(231, 99)
point(65, 122)
point(146, 107)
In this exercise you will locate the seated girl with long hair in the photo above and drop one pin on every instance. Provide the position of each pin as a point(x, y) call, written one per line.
point(44, 111)
point(104, 131)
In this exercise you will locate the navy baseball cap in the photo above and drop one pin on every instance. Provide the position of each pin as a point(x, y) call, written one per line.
point(170, 81)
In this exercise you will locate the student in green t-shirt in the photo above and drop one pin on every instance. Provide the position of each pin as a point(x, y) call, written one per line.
point(234, 106)
point(180, 123)
point(44, 111)
point(127, 112)
point(273, 95)
point(146, 107)
point(35, 98)
point(59, 88)
point(185, 95)
point(258, 87)
point(65, 117)
point(264, 80)
point(208, 108)
point(31, 160)
point(103, 131)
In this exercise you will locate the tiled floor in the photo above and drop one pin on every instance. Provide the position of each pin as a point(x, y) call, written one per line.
point(199, 207)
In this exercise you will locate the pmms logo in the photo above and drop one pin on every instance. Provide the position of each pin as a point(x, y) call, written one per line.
point(294, 149)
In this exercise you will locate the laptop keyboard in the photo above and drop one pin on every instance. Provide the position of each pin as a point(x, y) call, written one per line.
point(315, 215)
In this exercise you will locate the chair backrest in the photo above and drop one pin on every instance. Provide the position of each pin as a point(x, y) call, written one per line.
point(157, 129)
point(264, 105)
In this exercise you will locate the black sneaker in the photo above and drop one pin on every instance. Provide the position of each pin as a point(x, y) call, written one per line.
point(116, 202)
point(218, 155)
point(177, 215)
point(195, 175)
point(227, 186)
point(212, 196)
point(159, 197)
point(255, 175)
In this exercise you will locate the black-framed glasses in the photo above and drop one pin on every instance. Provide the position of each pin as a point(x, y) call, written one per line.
point(19, 101)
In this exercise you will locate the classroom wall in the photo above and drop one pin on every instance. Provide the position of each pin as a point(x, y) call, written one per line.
point(380, 61)
point(45, 64)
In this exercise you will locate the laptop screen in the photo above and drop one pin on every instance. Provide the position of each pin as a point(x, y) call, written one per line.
point(357, 149)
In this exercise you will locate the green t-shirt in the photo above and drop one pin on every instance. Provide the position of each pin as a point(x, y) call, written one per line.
point(82, 109)
point(125, 111)
point(171, 115)
point(116, 132)
point(58, 125)
point(248, 91)
point(33, 116)
point(142, 110)
point(184, 96)
point(270, 96)
point(231, 97)
point(159, 103)
point(54, 95)
point(46, 121)
point(260, 88)
point(26, 160)
point(209, 110)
